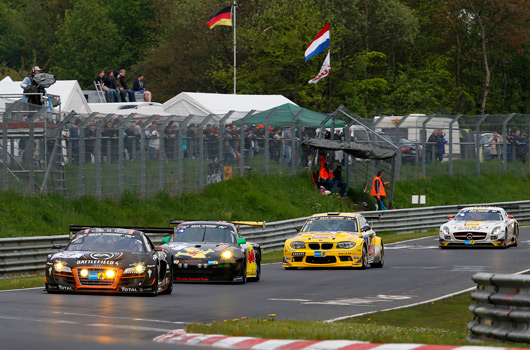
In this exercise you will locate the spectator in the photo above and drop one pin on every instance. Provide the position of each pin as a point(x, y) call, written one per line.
point(432, 145)
point(124, 90)
point(30, 86)
point(138, 86)
point(441, 146)
point(337, 174)
point(154, 141)
point(326, 177)
point(131, 141)
point(287, 145)
point(74, 140)
point(495, 146)
point(378, 190)
point(110, 84)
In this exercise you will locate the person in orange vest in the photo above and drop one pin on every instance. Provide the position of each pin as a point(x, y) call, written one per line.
point(378, 190)
point(326, 177)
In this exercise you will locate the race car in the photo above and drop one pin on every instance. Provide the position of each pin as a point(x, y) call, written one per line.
point(334, 240)
point(473, 226)
point(213, 251)
point(112, 260)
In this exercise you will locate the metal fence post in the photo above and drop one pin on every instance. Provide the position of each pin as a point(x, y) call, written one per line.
point(504, 141)
point(82, 151)
point(221, 135)
point(31, 147)
point(424, 143)
point(143, 154)
point(180, 152)
point(97, 151)
point(162, 152)
point(451, 143)
point(201, 148)
point(121, 150)
point(294, 159)
point(477, 141)
point(242, 145)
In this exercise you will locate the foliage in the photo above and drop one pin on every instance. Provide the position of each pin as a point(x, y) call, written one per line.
point(387, 56)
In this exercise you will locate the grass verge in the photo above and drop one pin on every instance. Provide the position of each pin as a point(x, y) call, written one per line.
point(441, 322)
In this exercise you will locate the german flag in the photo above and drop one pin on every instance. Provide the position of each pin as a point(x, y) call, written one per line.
point(222, 18)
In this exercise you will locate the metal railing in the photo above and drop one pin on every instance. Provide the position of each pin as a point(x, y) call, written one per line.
point(28, 254)
point(502, 308)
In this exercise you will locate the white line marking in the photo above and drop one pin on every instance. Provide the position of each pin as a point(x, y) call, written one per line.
point(49, 320)
point(414, 304)
point(280, 299)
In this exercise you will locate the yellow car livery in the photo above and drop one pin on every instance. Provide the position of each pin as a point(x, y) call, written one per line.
point(334, 240)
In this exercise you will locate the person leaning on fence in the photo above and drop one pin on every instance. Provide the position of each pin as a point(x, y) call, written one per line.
point(378, 190)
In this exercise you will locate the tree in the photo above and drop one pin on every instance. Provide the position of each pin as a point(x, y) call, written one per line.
point(86, 43)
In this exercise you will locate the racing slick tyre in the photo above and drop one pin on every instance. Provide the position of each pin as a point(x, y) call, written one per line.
point(244, 280)
point(516, 236)
point(505, 243)
point(381, 261)
point(364, 259)
point(169, 288)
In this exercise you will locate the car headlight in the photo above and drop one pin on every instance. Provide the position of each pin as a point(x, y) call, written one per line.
point(345, 245)
point(60, 267)
point(139, 268)
point(445, 230)
point(497, 231)
point(297, 245)
point(226, 254)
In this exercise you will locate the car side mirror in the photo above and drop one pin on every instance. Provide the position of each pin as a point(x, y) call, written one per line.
point(159, 249)
point(450, 217)
point(298, 228)
point(165, 240)
point(58, 246)
point(510, 216)
point(241, 241)
point(366, 228)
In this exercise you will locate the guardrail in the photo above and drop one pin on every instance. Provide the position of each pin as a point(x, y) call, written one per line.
point(502, 308)
point(28, 254)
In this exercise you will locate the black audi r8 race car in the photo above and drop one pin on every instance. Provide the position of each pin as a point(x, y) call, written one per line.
point(112, 260)
point(213, 251)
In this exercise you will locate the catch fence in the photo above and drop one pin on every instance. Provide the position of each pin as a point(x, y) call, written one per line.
point(106, 155)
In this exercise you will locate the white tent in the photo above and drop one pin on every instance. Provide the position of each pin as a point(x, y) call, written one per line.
point(126, 108)
point(203, 104)
point(72, 97)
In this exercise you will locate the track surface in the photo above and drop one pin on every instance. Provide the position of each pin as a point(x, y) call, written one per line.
point(415, 271)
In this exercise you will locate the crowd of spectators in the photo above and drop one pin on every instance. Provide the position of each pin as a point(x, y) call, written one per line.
point(517, 146)
point(116, 89)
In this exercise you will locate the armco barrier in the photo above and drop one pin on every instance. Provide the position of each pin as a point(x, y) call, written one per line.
point(502, 308)
point(28, 254)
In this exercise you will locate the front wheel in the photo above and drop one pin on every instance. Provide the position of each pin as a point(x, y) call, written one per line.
point(364, 259)
point(381, 261)
point(516, 236)
point(169, 277)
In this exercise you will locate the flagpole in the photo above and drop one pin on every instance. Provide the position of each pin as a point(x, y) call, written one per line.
point(329, 77)
point(235, 7)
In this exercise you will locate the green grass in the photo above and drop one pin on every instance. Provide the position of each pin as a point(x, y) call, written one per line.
point(22, 282)
point(440, 322)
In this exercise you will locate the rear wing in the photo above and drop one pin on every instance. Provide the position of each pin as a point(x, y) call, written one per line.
point(144, 229)
point(235, 222)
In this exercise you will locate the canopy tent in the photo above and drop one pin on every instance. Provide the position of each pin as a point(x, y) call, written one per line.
point(358, 150)
point(283, 117)
point(72, 97)
point(203, 104)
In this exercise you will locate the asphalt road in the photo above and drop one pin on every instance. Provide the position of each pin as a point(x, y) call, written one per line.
point(415, 271)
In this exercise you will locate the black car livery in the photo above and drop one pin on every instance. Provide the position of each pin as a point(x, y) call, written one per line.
point(114, 260)
point(205, 251)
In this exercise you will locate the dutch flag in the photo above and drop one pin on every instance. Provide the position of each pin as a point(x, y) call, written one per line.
point(318, 44)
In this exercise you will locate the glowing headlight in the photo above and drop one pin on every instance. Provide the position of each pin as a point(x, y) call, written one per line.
point(83, 273)
point(139, 268)
point(110, 273)
point(60, 267)
point(226, 254)
point(297, 245)
point(345, 245)
point(497, 231)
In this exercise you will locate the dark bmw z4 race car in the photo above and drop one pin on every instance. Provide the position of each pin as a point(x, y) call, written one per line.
point(112, 260)
point(213, 251)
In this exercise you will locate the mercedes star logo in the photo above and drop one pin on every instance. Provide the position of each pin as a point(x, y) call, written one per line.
point(469, 236)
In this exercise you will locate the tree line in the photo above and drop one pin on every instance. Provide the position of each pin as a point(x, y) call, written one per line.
point(387, 56)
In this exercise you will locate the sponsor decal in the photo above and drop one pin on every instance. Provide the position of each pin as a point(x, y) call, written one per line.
point(355, 257)
point(238, 278)
point(65, 287)
point(287, 258)
point(298, 253)
point(371, 249)
point(127, 289)
point(194, 261)
point(149, 272)
point(473, 223)
point(193, 279)
point(222, 247)
point(96, 262)
point(213, 262)
point(320, 253)
point(323, 236)
point(178, 246)
point(101, 256)
point(251, 256)
point(67, 255)
point(193, 253)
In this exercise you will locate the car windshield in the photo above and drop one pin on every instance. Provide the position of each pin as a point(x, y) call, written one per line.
point(486, 215)
point(102, 242)
point(334, 224)
point(205, 233)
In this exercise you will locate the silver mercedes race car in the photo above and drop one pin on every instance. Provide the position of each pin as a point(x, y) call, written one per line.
point(474, 226)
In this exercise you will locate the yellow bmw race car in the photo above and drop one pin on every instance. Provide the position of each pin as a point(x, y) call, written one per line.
point(334, 240)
